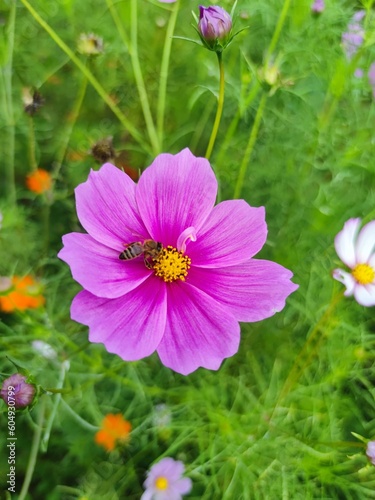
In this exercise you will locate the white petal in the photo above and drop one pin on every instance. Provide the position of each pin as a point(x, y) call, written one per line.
point(345, 242)
point(371, 261)
point(345, 278)
point(365, 295)
point(365, 245)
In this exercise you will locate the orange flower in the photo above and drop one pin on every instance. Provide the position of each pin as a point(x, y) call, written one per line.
point(114, 429)
point(39, 181)
point(23, 294)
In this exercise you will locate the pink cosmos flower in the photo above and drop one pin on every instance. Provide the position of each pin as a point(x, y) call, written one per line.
point(186, 299)
point(165, 482)
point(356, 249)
point(370, 451)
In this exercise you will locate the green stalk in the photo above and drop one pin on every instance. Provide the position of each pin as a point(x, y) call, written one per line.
point(220, 106)
point(132, 47)
point(139, 79)
point(34, 450)
point(234, 123)
point(254, 91)
point(164, 70)
point(91, 78)
point(32, 158)
point(6, 74)
point(57, 398)
point(277, 32)
point(74, 116)
point(308, 351)
point(250, 146)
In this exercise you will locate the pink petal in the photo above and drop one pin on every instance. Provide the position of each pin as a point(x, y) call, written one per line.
point(174, 193)
point(167, 467)
point(107, 209)
point(130, 326)
point(345, 278)
point(251, 291)
point(345, 242)
point(199, 331)
point(365, 295)
point(232, 233)
point(98, 268)
point(365, 245)
point(183, 485)
point(171, 493)
point(147, 495)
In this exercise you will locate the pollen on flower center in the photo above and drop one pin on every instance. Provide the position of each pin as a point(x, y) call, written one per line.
point(171, 265)
point(363, 274)
point(161, 483)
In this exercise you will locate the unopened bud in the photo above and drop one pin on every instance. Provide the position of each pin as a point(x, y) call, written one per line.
point(215, 27)
point(16, 392)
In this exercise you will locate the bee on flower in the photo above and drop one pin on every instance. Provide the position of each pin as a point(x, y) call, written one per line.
point(186, 298)
point(356, 249)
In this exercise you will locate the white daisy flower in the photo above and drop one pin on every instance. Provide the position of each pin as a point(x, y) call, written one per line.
point(356, 249)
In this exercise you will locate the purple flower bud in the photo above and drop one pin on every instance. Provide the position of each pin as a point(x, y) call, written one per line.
point(16, 392)
point(215, 25)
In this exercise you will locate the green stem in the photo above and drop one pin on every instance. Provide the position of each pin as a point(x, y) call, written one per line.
point(83, 423)
point(9, 141)
point(127, 124)
point(164, 70)
point(220, 106)
point(250, 146)
point(34, 450)
point(277, 32)
point(60, 383)
point(132, 47)
point(308, 351)
point(139, 79)
point(74, 116)
point(234, 123)
point(32, 159)
point(46, 212)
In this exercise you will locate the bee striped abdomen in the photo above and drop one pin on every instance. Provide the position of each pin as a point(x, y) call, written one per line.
point(131, 251)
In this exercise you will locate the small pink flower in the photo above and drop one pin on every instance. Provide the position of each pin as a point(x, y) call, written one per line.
point(354, 37)
point(356, 249)
point(370, 451)
point(165, 482)
point(15, 390)
point(188, 276)
point(318, 6)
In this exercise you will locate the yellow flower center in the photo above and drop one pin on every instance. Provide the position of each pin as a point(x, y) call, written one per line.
point(161, 483)
point(171, 265)
point(363, 274)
